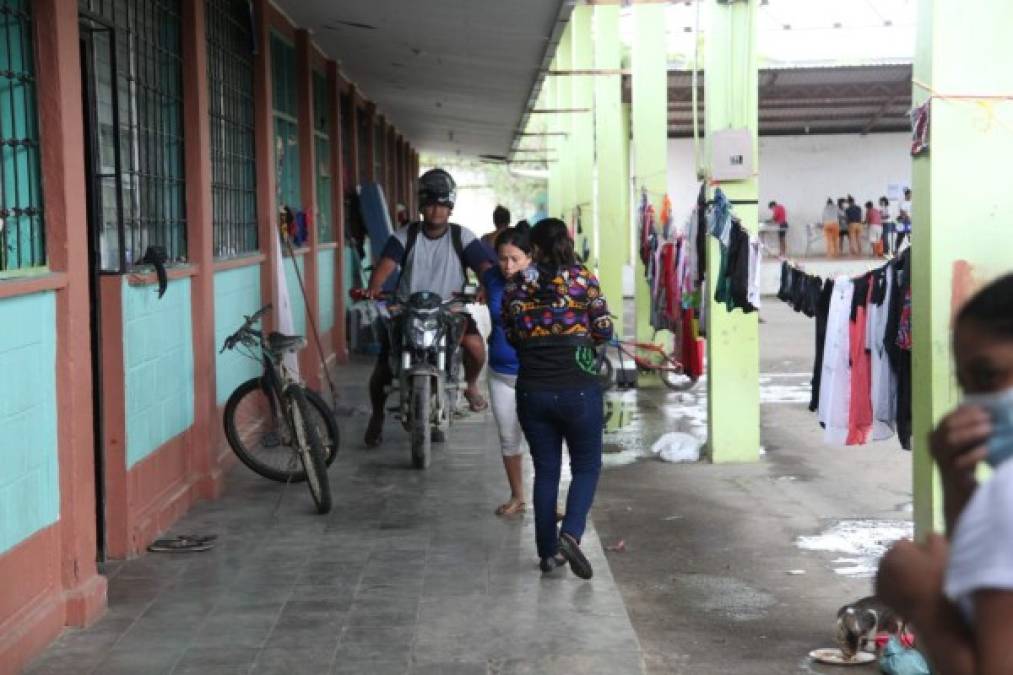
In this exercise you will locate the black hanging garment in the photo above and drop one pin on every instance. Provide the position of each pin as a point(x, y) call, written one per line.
point(900, 359)
point(784, 291)
point(822, 315)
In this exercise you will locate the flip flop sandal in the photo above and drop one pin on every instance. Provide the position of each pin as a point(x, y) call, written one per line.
point(511, 508)
point(476, 402)
point(183, 544)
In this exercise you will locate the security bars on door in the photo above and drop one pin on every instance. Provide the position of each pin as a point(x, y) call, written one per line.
point(233, 158)
point(322, 138)
point(22, 239)
point(286, 123)
point(148, 85)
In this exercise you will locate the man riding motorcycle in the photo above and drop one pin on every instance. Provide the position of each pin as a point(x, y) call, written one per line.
point(433, 255)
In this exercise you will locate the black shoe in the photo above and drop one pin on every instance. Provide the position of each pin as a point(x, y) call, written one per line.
point(374, 432)
point(550, 563)
point(439, 436)
point(570, 549)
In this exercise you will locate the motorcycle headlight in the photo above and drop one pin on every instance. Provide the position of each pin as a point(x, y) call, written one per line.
point(423, 331)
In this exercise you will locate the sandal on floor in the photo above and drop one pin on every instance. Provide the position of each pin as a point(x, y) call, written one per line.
point(511, 508)
point(476, 402)
point(183, 544)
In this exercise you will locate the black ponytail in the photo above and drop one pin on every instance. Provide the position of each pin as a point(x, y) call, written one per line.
point(555, 248)
point(991, 309)
point(515, 236)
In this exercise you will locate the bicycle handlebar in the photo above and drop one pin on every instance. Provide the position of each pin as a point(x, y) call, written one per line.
point(231, 340)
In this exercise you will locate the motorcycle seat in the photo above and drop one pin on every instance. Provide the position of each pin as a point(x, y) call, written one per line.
point(280, 344)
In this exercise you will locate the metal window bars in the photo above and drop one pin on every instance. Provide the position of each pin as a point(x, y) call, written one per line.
point(22, 236)
point(233, 157)
point(148, 178)
point(322, 139)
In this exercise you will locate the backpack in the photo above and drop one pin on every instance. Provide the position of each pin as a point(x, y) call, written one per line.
point(455, 237)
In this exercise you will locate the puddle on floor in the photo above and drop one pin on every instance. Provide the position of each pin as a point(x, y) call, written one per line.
point(861, 542)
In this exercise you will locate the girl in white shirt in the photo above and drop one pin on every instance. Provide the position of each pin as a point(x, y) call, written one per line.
point(958, 594)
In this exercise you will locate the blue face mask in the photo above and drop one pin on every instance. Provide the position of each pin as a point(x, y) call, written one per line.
point(999, 404)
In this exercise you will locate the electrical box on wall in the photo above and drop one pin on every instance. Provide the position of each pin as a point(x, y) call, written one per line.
point(731, 154)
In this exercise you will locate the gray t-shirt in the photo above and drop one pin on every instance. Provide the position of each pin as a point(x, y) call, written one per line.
point(433, 264)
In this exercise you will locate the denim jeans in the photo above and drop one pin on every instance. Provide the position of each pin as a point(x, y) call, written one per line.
point(547, 418)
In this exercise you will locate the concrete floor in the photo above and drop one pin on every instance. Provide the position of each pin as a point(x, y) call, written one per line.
point(711, 573)
point(411, 572)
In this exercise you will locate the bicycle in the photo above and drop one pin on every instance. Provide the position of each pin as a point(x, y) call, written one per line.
point(647, 357)
point(273, 422)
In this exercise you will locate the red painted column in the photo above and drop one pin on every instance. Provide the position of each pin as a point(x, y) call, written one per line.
point(267, 209)
point(354, 137)
point(309, 358)
point(63, 169)
point(202, 464)
point(340, 340)
point(370, 121)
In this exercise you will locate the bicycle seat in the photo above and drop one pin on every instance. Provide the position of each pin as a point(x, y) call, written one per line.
point(281, 344)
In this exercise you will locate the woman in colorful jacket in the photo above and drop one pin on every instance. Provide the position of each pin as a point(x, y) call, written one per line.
point(554, 314)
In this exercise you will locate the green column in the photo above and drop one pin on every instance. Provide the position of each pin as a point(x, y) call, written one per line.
point(649, 83)
point(548, 100)
point(609, 174)
point(733, 359)
point(582, 123)
point(961, 188)
point(564, 100)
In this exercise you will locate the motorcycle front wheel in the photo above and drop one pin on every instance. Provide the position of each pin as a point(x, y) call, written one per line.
point(422, 448)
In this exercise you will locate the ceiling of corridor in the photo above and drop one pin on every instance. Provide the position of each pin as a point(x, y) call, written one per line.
point(454, 76)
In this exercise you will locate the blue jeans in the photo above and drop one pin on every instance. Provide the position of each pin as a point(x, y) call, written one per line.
point(547, 417)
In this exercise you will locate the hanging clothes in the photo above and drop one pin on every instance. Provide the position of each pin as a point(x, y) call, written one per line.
point(755, 267)
point(860, 405)
point(900, 358)
point(719, 219)
point(822, 314)
point(835, 380)
point(884, 380)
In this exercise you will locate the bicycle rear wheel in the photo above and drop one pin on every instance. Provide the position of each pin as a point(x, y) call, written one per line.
point(311, 451)
point(675, 378)
point(259, 434)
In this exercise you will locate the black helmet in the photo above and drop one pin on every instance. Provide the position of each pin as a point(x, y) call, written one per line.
point(437, 187)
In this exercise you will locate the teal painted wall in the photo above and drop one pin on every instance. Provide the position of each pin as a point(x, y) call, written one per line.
point(29, 473)
point(237, 294)
point(325, 286)
point(158, 366)
point(295, 293)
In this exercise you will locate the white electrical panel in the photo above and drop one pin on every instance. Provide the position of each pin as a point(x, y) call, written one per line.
point(731, 155)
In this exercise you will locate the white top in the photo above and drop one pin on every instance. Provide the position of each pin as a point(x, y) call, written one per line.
point(981, 553)
point(835, 379)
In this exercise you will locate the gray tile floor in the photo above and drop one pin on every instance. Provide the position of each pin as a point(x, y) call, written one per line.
point(410, 573)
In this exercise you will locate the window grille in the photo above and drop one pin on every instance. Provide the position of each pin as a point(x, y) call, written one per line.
point(364, 126)
point(233, 157)
point(348, 168)
point(148, 83)
point(286, 123)
point(22, 238)
point(322, 138)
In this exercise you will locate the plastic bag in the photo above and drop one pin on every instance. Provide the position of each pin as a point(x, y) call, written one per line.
point(677, 447)
point(898, 660)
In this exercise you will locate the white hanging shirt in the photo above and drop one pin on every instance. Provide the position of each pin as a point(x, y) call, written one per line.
point(835, 377)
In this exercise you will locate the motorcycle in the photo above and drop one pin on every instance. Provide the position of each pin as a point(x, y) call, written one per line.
point(425, 357)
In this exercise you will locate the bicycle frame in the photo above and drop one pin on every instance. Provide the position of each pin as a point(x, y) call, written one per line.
point(631, 348)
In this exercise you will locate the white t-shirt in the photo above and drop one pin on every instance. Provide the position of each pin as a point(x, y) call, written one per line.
point(981, 553)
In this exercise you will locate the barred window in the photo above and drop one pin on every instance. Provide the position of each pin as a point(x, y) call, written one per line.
point(233, 157)
point(286, 122)
point(347, 166)
point(322, 138)
point(363, 133)
point(22, 240)
point(143, 190)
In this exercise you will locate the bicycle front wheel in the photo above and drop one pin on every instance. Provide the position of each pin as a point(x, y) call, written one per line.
point(258, 432)
point(311, 450)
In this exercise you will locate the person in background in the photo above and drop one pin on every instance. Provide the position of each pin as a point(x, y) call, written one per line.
point(831, 228)
point(554, 315)
point(501, 221)
point(842, 222)
point(904, 218)
point(874, 221)
point(888, 225)
point(402, 217)
point(779, 217)
point(856, 226)
point(513, 249)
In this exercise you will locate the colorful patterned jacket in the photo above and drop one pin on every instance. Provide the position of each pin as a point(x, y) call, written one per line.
point(539, 306)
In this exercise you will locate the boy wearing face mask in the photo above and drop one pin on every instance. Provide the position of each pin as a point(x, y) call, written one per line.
point(958, 594)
